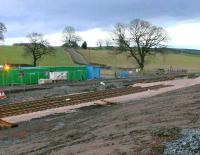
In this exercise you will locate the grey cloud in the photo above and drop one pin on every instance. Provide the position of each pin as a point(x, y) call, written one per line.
point(52, 15)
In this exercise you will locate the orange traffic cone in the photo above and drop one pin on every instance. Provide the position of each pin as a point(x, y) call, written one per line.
point(2, 95)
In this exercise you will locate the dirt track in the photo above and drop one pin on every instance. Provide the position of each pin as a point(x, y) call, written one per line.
point(115, 129)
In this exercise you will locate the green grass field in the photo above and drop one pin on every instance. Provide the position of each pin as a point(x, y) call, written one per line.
point(109, 58)
point(14, 55)
point(177, 61)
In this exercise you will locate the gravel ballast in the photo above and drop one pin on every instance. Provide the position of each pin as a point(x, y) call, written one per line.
point(188, 144)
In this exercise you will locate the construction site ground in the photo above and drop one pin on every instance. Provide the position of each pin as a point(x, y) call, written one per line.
point(31, 92)
point(116, 129)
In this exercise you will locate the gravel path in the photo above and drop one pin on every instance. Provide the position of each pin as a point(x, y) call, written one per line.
point(77, 57)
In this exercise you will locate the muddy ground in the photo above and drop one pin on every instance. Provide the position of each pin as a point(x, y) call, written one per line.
point(136, 127)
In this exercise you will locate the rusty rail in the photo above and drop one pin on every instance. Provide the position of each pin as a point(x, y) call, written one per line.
point(66, 100)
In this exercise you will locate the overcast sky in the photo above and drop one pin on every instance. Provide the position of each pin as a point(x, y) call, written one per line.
point(93, 19)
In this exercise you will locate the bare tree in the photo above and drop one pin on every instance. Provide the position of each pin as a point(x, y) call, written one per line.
point(38, 47)
point(108, 43)
point(99, 43)
point(139, 38)
point(2, 31)
point(71, 39)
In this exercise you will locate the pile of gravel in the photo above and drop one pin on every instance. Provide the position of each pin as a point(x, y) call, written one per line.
point(188, 144)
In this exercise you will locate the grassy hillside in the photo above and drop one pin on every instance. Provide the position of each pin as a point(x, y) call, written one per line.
point(107, 57)
point(187, 51)
point(14, 55)
point(177, 61)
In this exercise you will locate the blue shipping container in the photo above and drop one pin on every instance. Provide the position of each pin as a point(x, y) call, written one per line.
point(90, 75)
point(93, 72)
point(97, 72)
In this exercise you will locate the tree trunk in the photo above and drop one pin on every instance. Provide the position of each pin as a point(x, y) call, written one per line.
point(142, 66)
point(142, 56)
point(34, 62)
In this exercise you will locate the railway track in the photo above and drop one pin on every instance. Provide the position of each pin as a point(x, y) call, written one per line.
point(14, 89)
point(67, 100)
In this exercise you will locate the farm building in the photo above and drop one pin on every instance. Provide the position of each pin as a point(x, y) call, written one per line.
point(35, 75)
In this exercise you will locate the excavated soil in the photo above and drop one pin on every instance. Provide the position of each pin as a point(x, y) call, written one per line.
point(136, 127)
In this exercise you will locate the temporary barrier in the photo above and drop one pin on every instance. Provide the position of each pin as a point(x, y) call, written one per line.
point(124, 74)
point(2, 95)
point(121, 74)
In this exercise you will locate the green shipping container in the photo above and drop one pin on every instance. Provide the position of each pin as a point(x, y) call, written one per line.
point(22, 76)
point(32, 75)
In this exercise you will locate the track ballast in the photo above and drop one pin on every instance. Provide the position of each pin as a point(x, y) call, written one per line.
point(67, 100)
